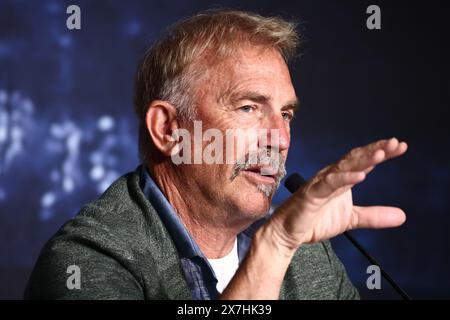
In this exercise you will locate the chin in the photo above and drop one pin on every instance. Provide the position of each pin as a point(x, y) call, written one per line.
point(252, 204)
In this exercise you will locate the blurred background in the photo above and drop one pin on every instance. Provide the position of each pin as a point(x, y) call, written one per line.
point(67, 128)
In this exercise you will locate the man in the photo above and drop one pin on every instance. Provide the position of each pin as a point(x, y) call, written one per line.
point(201, 229)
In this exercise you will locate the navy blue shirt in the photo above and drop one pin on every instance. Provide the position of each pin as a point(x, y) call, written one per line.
point(199, 275)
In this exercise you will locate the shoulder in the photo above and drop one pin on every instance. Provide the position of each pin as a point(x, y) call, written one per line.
point(121, 223)
point(115, 241)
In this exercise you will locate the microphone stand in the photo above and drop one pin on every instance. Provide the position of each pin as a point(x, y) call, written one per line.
point(294, 182)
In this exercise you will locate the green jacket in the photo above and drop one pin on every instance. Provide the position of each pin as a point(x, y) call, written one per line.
point(123, 251)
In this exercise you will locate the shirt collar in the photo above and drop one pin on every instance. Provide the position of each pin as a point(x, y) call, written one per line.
point(185, 244)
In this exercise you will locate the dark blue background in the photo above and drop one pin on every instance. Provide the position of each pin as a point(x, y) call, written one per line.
point(67, 128)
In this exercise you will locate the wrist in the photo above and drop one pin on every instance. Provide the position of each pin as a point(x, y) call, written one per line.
point(272, 239)
point(262, 272)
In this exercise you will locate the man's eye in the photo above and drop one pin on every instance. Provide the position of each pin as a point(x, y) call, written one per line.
point(247, 108)
point(287, 116)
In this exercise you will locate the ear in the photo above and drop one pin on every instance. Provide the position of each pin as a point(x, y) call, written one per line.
point(161, 122)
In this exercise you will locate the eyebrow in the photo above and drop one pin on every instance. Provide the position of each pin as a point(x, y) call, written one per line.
point(263, 99)
point(249, 95)
point(293, 105)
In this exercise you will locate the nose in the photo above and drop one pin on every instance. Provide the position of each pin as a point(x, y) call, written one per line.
point(278, 134)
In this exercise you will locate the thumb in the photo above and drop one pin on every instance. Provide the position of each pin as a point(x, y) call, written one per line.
point(377, 217)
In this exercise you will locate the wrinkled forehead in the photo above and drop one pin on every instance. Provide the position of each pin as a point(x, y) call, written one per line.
point(253, 69)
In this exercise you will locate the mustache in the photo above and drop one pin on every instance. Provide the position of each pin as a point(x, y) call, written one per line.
point(270, 158)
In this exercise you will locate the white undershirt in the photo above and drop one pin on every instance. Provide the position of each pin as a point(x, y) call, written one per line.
point(225, 268)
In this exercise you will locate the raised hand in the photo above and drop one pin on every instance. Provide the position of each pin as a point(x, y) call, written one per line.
point(323, 207)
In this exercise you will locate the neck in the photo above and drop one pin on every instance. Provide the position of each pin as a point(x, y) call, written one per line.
point(208, 226)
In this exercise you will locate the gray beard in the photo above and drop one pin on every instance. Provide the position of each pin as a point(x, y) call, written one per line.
point(266, 190)
point(276, 162)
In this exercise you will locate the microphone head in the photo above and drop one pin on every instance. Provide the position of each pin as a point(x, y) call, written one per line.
point(294, 182)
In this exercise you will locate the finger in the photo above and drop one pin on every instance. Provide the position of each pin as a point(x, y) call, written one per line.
point(391, 150)
point(377, 157)
point(360, 158)
point(376, 217)
point(364, 158)
point(395, 150)
point(333, 181)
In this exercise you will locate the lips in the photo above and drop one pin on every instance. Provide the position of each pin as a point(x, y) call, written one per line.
point(263, 170)
point(261, 174)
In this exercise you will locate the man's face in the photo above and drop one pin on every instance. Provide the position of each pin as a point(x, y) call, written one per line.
point(251, 91)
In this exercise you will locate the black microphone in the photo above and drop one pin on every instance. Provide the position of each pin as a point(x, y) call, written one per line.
point(294, 182)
